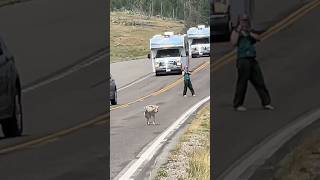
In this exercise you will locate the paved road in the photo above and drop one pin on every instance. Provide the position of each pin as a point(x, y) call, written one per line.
point(129, 133)
point(128, 71)
point(290, 61)
point(46, 37)
point(49, 35)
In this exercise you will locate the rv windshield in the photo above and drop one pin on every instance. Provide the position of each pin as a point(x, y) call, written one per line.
point(200, 41)
point(163, 53)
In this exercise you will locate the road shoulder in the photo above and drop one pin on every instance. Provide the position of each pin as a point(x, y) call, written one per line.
point(187, 155)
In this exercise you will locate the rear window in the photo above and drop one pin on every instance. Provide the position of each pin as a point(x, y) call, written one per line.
point(220, 6)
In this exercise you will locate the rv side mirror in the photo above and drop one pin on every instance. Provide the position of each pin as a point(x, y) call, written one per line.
point(148, 56)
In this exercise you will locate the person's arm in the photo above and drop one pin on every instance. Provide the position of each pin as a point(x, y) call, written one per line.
point(234, 37)
point(255, 36)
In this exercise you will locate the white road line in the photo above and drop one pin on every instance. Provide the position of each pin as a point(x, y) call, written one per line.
point(148, 154)
point(135, 82)
point(247, 165)
point(64, 74)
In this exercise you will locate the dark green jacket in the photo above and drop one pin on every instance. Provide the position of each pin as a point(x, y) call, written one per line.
point(186, 76)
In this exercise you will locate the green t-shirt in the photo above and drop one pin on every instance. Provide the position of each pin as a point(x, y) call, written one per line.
point(246, 47)
point(186, 76)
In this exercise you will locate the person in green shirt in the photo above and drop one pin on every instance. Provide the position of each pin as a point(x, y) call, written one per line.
point(187, 82)
point(248, 68)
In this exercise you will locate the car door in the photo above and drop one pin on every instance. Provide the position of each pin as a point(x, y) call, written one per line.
point(6, 88)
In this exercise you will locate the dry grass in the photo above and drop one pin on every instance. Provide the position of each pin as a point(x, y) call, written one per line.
point(303, 163)
point(199, 163)
point(190, 160)
point(130, 34)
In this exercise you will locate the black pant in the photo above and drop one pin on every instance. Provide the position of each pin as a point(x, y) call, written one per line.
point(187, 84)
point(248, 69)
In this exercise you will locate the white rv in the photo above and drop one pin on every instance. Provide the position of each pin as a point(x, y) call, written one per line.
point(199, 41)
point(169, 53)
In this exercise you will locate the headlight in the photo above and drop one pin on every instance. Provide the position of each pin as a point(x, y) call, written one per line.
point(157, 64)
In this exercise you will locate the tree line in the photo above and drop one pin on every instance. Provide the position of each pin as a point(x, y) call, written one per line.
point(193, 12)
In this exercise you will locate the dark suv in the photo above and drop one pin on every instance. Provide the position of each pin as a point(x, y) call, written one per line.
point(220, 20)
point(10, 94)
point(113, 91)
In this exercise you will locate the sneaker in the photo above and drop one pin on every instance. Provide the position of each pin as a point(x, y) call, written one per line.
point(194, 95)
point(240, 108)
point(268, 107)
point(184, 95)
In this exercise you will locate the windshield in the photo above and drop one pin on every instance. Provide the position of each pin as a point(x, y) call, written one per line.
point(200, 41)
point(168, 53)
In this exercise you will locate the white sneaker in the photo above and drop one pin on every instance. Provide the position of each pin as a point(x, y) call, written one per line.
point(268, 107)
point(194, 95)
point(241, 108)
point(184, 95)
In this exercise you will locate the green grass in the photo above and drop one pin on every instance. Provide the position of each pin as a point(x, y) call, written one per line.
point(161, 173)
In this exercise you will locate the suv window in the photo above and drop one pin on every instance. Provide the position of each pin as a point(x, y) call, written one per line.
point(1, 52)
point(220, 6)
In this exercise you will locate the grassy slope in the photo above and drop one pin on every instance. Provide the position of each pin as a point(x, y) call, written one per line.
point(130, 34)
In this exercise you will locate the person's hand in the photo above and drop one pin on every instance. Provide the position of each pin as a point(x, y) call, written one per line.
point(239, 28)
point(244, 33)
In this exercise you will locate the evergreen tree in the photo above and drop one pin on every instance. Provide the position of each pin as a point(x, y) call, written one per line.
point(193, 12)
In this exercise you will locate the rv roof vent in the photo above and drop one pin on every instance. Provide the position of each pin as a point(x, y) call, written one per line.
point(168, 33)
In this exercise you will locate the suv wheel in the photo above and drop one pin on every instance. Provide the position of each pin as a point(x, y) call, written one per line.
point(13, 126)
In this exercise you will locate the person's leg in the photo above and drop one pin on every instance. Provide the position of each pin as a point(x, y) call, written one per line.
point(185, 87)
point(190, 87)
point(257, 81)
point(243, 67)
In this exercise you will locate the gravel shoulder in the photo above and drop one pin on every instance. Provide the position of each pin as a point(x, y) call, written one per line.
point(190, 158)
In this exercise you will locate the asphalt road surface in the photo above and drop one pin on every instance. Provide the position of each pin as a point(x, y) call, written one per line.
point(48, 37)
point(289, 61)
point(129, 133)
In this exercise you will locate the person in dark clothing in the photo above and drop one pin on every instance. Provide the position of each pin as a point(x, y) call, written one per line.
point(248, 68)
point(187, 82)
